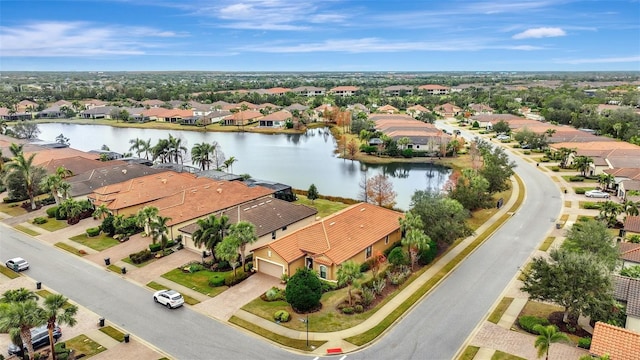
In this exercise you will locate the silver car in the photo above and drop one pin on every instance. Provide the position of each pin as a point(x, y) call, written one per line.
point(597, 194)
point(17, 264)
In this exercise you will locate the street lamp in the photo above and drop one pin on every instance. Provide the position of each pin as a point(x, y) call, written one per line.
point(306, 321)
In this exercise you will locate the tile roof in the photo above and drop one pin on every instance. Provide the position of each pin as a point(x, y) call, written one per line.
point(597, 145)
point(267, 215)
point(44, 155)
point(77, 164)
point(85, 183)
point(281, 115)
point(630, 173)
point(632, 223)
point(627, 290)
point(418, 108)
point(432, 87)
point(618, 343)
point(187, 203)
point(145, 189)
point(244, 115)
point(345, 88)
point(340, 236)
point(387, 108)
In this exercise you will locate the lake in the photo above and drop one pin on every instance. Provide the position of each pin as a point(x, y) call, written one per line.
point(298, 160)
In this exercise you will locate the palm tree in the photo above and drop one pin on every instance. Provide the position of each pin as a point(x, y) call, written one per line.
point(137, 146)
point(548, 335)
point(58, 311)
point(161, 151)
point(605, 180)
point(564, 154)
point(630, 208)
point(211, 230)
point(228, 164)
point(64, 190)
point(348, 273)
point(245, 232)
point(159, 230)
point(176, 149)
point(414, 237)
point(52, 183)
point(145, 217)
point(146, 148)
point(18, 295)
point(101, 211)
point(22, 315)
point(200, 155)
point(63, 172)
point(582, 163)
point(609, 212)
point(30, 174)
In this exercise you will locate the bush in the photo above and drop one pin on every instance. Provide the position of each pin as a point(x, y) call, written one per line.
point(60, 214)
point(216, 281)
point(526, 152)
point(328, 285)
point(155, 247)
point(427, 256)
point(40, 220)
point(231, 280)
point(591, 205)
point(52, 211)
point(407, 153)
point(348, 310)
point(107, 225)
point(544, 159)
point(94, 231)
point(141, 256)
point(388, 250)
point(274, 294)
point(527, 323)
point(281, 316)
point(634, 239)
point(398, 257)
point(576, 178)
point(358, 309)
point(584, 343)
point(304, 290)
point(580, 191)
point(555, 168)
point(194, 268)
point(365, 266)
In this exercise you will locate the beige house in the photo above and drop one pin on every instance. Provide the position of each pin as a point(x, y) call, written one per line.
point(355, 233)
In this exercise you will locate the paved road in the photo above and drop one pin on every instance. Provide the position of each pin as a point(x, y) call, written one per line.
point(440, 324)
point(182, 333)
point(435, 329)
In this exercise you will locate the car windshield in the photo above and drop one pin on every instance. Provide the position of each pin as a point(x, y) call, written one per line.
point(20, 261)
point(176, 297)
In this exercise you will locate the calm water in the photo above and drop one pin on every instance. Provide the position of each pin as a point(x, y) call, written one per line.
point(296, 160)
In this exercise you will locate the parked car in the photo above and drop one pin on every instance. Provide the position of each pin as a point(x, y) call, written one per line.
point(503, 137)
point(39, 338)
point(17, 264)
point(457, 132)
point(169, 298)
point(596, 194)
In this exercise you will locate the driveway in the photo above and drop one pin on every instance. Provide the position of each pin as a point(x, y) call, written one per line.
point(226, 304)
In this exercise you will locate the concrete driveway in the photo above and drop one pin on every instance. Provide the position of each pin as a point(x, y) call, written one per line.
point(223, 306)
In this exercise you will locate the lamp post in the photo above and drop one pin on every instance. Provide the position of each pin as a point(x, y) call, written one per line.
point(307, 321)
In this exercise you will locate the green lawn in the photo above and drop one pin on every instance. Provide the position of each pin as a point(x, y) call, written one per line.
point(8, 272)
point(128, 261)
point(469, 353)
point(82, 344)
point(71, 249)
point(98, 243)
point(26, 230)
point(299, 344)
point(500, 309)
point(113, 333)
point(547, 242)
point(324, 207)
point(188, 299)
point(198, 281)
point(499, 355)
point(12, 209)
point(53, 224)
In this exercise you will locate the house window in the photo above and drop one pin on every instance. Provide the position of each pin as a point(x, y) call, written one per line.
point(284, 228)
point(368, 251)
point(323, 271)
point(273, 235)
point(309, 263)
point(386, 240)
point(417, 146)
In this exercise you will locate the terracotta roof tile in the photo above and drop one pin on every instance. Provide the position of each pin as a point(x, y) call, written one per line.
point(618, 343)
point(632, 224)
point(45, 155)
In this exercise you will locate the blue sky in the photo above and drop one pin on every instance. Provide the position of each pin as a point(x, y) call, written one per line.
point(324, 35)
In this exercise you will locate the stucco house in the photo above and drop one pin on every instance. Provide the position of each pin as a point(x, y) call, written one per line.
point(627, 291)
point(447, 110)
point(355, 233)
point(276, 119)
point(616, 342)
point(242, 117)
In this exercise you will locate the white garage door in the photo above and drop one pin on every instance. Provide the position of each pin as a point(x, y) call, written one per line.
point(269, 268)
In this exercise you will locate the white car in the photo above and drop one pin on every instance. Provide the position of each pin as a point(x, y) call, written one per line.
point(17, 264)
point(503, 137)
point(597, 194)
point(169, 298)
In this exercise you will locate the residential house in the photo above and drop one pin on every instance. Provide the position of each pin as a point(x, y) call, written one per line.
point(422, 136)
point(447, 110)
point(76, 164)
point(214, 117)
point(309, 91)
point(93, 103)
point(241, 117)
point(357, 108)
point(98, 112)
point(417, 110)
point(481, 109)
point(112, 172)
point(355, 233)
point(154, 103)
point(398, 90)
point(271, 217)
point(632, 227)
point(173, 115)
point(26, 106)
point(53, 112)
point(344, 90)
point(44, 155)
point(387, 109)
point(626, 179)
point(277, 91)
point(276, 119)
point(627, 291)
point(324, 112)
point(433, 89)
point(615, 342)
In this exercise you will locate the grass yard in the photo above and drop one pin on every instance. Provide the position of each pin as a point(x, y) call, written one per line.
point(98, 243)
point(499, 355)
point(580, 190)
point(26, 230)
point(500, 309)
point(188, 299)
point(481, 216)
point(324, 207)
point(198, 281)
point(469, 353)
point(547, 243)
point(82, 344)
point(300, 344)
point(69, 248)
point(114, 333)
point(12, 209)
point(8, 272)
point(128, 261)
point(53, 224)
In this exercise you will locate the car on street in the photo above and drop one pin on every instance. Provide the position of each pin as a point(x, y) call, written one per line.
point(39, 338)
point(596, 194)
point(457, 132)
point(503, 137)
point(17, 264)
point(169, 298)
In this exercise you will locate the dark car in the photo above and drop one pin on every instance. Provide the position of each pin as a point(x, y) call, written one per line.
point(39, 338)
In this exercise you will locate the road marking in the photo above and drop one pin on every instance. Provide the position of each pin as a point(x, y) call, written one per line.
point(344, 357)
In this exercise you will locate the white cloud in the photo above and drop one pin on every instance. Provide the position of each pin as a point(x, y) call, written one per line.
point(541, 32)
point(629, 59)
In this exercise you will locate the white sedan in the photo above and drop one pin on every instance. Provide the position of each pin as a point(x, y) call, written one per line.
point(597, 194)
point(17, 264)
point(169, 298)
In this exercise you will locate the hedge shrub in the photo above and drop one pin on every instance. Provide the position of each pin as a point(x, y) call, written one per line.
point(216, 281)
point(155, 247)
point(281, 316)
point(94, 231)
point(555, 168)
point(40, 220)
point(348, 310)
point(591, 205)
point(274, 294)
point(576, 178)
point(52, 211)
point(584, 343)
point(304, 290)
point(231, 280)
point(527, 323)
point(141, 256)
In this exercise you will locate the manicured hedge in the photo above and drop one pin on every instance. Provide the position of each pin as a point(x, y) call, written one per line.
point(527, 323)
point(140, 257)
point(94, 231)
point(155, 247)
point(281, 316)
point(39, 220)
point(52, 211)
point(231, 280)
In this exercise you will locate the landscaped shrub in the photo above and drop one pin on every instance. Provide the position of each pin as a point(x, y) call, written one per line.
point(107, 225)
point(274, 294)
point(407, 153)
point(231, 280)
point(94, 231)
point(591, 205)
point(329, 286)
point(584, 343)
point(365, 266)
point(194, 268)
point(634, 239)
point(155, 247)
point(398, 257)
point(281, 316)
point(544, 159)
point(40, 220)
point(555, 168)
point(140, 257)
point(580, 190)
point(368, 295)
point(304, 290)
point(51, 212)
point(427, 256)
point(527, 323)
point(348, 310)
point(60, 214)
point(393, 246)
point(216, 281)
point(526, 152)
point(358, 308)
